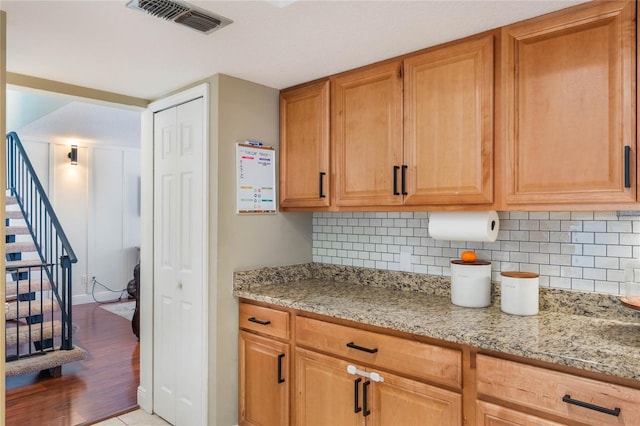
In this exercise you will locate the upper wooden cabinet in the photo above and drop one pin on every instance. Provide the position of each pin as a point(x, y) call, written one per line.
point(366, 114)
point(448, 133)
point(304, 146)
point(569, 111)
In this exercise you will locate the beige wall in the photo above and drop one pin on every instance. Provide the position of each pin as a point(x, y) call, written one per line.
point(241, 110)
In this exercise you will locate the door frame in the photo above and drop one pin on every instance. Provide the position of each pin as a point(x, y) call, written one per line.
point(145, 389)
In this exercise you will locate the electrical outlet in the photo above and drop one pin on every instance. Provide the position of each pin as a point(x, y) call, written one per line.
point(85, 283)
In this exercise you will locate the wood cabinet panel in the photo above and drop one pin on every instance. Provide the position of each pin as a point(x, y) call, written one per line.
point(543, 390)
point(400, 401)
point(264, 320)
point(324, 392)
point(367, 135)
point(264, 381)
point(429, 362)
point(448, 134)
point(495, 415)
point(569, 85)
point(304, 146)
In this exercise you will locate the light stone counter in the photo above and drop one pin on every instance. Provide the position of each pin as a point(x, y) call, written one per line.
point(581, 330)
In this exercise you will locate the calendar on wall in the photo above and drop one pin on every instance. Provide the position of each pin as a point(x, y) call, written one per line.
point(255, 178)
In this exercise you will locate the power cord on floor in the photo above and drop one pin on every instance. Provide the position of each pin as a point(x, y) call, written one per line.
point(93, 289)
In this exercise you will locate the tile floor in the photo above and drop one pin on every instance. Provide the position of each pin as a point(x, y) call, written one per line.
point(134, 418)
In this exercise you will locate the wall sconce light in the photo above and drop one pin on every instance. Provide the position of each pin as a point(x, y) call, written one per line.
point(73, 155)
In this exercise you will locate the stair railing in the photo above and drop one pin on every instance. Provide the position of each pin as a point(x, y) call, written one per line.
point(52, 243)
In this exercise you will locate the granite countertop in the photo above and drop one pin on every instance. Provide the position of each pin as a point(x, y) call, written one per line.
point(609, 345)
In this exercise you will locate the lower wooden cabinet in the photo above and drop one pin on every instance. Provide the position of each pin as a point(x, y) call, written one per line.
point(327, 393)
point(264, 381)
point(556, 394)
point(494, 415)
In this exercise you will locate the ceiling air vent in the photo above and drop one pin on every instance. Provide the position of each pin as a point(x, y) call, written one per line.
point(182, 13)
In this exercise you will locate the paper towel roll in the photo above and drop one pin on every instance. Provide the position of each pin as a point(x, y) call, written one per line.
point(464, 226)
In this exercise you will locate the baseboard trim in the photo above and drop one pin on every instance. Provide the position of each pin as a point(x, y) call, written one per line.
point(81, 299)
point(144, 401)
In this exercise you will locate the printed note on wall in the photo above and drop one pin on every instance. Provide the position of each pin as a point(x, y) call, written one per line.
point(255, 178)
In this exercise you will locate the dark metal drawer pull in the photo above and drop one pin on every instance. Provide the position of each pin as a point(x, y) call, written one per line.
point(568, 400)
point(322, 174)
point(395, 180)
point(257, 321)
point(362, 348)
point(627, 171)
point(365, 405)
point(356, 396)
point(280, 379)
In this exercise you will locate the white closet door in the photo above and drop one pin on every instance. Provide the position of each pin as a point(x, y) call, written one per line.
point(179, 244)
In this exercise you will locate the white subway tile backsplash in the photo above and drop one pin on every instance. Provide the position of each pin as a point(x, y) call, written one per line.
point(584, 251)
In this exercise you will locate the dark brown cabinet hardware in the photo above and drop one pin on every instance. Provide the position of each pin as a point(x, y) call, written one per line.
point(395, 180)
point(356, 395)
point(280, 379)
point(365, 387)
point(322, 174)
point(615, 412)
point(627, 159)
point(404, 180)
point(257, 321)
point(362, 348)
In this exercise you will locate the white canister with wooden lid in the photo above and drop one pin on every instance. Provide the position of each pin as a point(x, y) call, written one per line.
point(519, 293)
point(471, 283)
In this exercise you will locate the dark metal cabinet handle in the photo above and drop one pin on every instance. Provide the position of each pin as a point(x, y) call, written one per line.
point(257, 321)
point(322, 174)
point(615, 412)
point(627, 159)
point(280, 379)
point(395, 180)
point(362, 348)
point(404, 179)
point(356, 396)
point(366, 410)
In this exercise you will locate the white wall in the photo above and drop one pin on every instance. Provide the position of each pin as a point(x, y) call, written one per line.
point(97, 202)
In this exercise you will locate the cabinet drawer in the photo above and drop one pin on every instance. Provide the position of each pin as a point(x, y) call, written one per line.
point(429, 362)
point(264, 320)
point(544, 390)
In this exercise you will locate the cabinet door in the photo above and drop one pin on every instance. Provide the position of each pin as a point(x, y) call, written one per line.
point(400, 401)
point(495, 415)
point(325, 393)
point(264, 381)
point(448, 134)
point(367, 136)
point(569, 87)
point(304, 146)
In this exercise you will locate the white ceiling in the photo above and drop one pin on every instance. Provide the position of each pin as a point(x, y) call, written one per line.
point(105, 45)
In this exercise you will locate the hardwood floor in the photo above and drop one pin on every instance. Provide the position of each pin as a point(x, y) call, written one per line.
point(102, 385)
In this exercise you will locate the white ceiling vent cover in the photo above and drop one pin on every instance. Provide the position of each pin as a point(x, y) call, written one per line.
point(182, 13)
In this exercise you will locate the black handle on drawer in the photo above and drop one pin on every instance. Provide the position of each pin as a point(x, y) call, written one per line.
point(321, 182)
point(366, 410)
point(627, 159)
point(257, 321)
point(404, 179)
point(361, 348)
point(395, 180)
point(356, 397)
point(615, 412)
point(280, 379)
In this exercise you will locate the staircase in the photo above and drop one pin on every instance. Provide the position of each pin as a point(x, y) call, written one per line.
point(39, 259)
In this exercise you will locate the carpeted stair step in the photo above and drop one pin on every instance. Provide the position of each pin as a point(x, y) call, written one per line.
point(17, 230)
point(30, 263)
point(51, 359)
point(14, 288)
point(34, 332)
point(17, 310)
point(11, 200)
point(22, 247)
point(14, 214)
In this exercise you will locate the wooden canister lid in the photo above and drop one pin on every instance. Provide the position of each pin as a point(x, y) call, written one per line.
point(475, 263)
point(518, 274)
